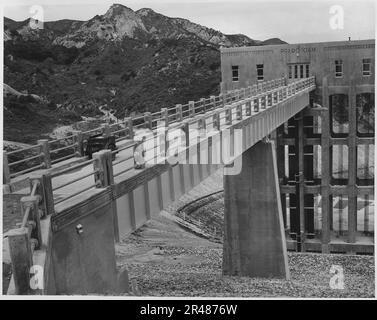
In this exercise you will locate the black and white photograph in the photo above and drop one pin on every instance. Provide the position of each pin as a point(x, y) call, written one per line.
point(188, 149)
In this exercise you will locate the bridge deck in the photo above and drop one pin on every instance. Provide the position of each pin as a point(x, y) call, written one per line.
point(231, 116)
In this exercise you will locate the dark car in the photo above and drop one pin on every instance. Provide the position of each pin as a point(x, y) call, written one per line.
point(100, 142)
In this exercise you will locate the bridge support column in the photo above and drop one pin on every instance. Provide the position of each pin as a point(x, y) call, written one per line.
point(254, 239)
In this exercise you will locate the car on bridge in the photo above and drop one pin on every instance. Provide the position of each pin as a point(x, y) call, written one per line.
point(100, 142)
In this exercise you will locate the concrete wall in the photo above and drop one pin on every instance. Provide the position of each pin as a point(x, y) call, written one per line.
point(320, 56)
point(84, 262)
point(135, 207)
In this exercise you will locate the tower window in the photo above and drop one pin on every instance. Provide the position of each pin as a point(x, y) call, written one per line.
point(298, 71)
point(301, 70)
point(338, 68)
point(235, 75)
point(260, 76)
point(367, 67)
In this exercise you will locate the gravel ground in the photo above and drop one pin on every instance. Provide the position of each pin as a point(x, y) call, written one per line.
point(164, 260)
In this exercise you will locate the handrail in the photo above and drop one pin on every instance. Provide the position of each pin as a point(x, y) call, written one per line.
point(171, 115)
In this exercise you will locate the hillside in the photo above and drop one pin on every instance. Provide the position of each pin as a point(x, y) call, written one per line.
point(125, 60)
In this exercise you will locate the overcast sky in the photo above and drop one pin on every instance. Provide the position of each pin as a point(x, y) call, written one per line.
point(292, 21)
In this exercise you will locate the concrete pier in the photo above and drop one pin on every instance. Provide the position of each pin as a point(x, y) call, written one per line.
point(254, 239)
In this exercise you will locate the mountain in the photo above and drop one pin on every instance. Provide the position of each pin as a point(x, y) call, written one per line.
point(128, 61)
point(272, 41)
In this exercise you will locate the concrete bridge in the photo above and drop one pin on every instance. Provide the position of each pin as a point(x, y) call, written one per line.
point(75, 213)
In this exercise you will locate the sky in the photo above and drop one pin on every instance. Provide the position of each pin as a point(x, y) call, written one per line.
point(293, 21)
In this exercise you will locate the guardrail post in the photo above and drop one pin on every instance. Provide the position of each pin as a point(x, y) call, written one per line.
point(103, 167)
point(166, 142)
point(239, 111)
point(45, 149)
point(202, 126)
point(128, 124)
point(43, 191)
point(216, 120)
point(186, 130)
point(248, 108)
point(269, 100)
point(80, 143)
point(179, 112)
point(259, 88)
point(148, 120)
point(21, 257)
point(191, 108)
point(6, 171)
point(223, 99)
point(212, 100)
point(34, 217)
point(263, 102)
point(256, 105)
point(165, 117)
point(202, 104)
point(228, 115)
point(79, 140)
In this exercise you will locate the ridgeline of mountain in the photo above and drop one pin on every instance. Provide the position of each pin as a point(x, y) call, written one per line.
point(125, 60)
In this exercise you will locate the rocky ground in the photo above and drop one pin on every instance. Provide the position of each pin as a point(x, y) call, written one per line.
point(165, 260)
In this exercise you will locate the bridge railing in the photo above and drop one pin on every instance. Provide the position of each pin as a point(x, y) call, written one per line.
point(216, 113)
point(31, 237)
point(49, 152)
